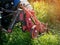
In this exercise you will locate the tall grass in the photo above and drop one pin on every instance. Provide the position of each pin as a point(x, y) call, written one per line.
point(47, 39)
point(17, 37)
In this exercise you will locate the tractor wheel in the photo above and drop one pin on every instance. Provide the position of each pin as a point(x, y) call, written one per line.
point(34, 33)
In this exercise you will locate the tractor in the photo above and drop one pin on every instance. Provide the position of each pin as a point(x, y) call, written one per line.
point(29, 22)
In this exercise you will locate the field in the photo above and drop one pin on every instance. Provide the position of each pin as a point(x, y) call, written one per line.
point(45, 12)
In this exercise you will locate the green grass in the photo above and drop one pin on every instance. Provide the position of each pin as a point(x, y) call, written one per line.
point(47, 39)
point(17, 37)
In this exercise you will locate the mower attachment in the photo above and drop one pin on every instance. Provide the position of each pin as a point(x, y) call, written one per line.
point(33, 25)
point(29, 22)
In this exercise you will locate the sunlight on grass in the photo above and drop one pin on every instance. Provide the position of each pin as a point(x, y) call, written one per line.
point(46, 39)
point(41, 9)
point(45, 12)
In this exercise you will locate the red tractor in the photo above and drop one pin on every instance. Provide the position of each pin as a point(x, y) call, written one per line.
point(32, 24)
point(27, 18)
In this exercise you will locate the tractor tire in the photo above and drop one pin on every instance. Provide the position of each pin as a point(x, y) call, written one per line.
point(34, 33)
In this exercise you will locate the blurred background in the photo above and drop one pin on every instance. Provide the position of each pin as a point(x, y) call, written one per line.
point(47, 7)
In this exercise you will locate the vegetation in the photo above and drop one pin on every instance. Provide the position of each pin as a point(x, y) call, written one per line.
point(45, 13)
